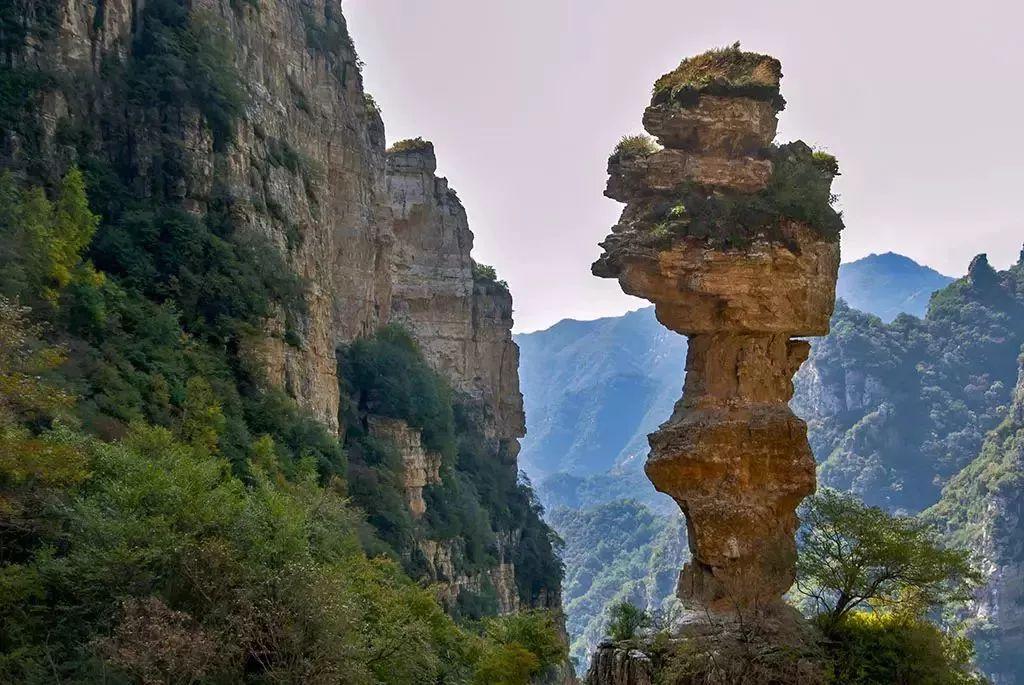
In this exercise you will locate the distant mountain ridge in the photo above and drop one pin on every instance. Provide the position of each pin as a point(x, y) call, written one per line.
point(888, 285)
point(593, 390)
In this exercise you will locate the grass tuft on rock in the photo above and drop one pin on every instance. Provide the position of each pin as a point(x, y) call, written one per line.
point(632, 146)
point(722, 71)
point(410, 145)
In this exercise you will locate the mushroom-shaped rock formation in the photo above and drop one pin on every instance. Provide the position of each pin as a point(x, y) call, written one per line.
point(735, 241)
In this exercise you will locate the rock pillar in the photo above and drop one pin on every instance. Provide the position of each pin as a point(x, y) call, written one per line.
point(735, 241)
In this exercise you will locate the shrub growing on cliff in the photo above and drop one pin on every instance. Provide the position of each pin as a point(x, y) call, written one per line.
point(409, 145)
point(43, 241)
point(639, 145)
point(182, 57)
point(626, 620)
point(870, 648)
point(853, 556)
point(799, 190)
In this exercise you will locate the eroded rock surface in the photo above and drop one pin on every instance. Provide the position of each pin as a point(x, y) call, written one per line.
point(735, 242)
point(420, 467)
point(372, 238)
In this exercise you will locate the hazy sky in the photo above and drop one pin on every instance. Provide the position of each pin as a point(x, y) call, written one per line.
point(922, 103)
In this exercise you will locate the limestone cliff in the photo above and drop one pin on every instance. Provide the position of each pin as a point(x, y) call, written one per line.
point(982, 507)
point(303, 166)
point(252, 118)
point(735, 242)
point(463, 322)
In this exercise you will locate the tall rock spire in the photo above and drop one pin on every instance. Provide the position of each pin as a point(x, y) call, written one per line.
point(735, 241)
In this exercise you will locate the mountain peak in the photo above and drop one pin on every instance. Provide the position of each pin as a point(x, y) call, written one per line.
point(889, 284)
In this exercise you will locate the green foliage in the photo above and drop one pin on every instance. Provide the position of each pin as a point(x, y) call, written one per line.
point(486, 276)
point(631, 146)
point(799, 190)
point(616, 552)
point(853, 555)
point(147, 558)
point(410, 145)
point(162, 535)
point(521, 646)
point(224, 282)
point(626, 620)
point(43, 241)
point(933, 389)
point(723, 71)
point(186, 58)
point(478, 495)
point(386, 375)
point(870, 648)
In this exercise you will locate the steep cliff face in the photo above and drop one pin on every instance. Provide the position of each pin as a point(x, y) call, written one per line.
point(462, 321)
point(707, 236)
point(301, 165)
point(982, 507)
point(250, 120)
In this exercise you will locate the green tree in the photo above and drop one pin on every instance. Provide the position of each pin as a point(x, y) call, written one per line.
point(202, 418)
point(44, 240)
point(853, 556)
point(625, 620)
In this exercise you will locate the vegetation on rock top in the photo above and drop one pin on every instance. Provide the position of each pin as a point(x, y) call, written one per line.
point(410, 145)
point(723, 71)
point(799, 190)
point(632, 146)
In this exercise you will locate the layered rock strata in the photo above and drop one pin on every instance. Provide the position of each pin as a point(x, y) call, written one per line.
point(462, 321)
point(712, 236)
point(301, 168)
point(420, 467)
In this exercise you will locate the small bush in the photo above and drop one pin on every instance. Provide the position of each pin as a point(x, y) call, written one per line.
point(883, 648)
point(410, 145)
point(632, 146)
point(486, 274)
point(799, 190)
point(626, 620)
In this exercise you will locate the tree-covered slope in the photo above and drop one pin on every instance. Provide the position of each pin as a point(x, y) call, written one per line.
point(193, 485)
point(895, 410)
point(982, 509)
point(618, 551)
point(888, 285)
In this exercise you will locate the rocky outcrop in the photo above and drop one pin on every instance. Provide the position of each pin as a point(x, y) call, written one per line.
point(462, 322)
point(450, 582)
point(617, 665)
point(285, 152)
point(420, 467)
point(708, 238)
point(982, 508)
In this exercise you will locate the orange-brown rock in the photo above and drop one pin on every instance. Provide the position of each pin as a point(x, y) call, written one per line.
point(716, 124)
point(420, 467)
point(741, 273)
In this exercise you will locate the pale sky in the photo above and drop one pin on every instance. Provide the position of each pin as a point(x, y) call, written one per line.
point(922, 102)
